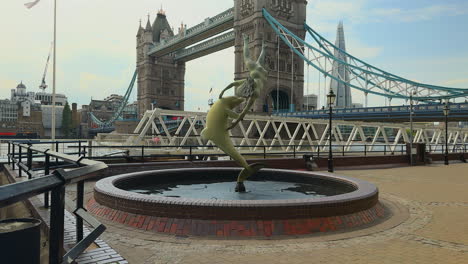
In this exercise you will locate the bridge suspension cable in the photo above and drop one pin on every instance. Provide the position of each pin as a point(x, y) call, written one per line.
point(362, 76)
point(120, 108)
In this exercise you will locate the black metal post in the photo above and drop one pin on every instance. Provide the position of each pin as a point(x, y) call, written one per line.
point(9, 153)
point(294, 151)
point(46, 172)
point(57, 225)
point(29, 161)
point(446, 140)
point(19, 161)
point(343, 150)
point(190, 157)
point(330, 152)
point(143, 153)
point(264, 152)
point(385, 150)
point(13, 155)
point(79, 148)
point(56, 150)
point(79, 204)
point(365, 150)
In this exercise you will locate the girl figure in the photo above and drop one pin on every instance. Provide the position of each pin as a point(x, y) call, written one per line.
point(251, 87)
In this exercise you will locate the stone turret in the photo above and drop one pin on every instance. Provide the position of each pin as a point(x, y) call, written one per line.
point(248, 19)
point(140, 30)
point(161, 28)
point(160, 80)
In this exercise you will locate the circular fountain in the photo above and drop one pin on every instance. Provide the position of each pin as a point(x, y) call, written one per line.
point(290, 202)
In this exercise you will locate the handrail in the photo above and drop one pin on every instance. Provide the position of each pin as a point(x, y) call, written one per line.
point(54, 182)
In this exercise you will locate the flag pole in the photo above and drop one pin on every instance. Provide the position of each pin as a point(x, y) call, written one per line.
point(54, 67)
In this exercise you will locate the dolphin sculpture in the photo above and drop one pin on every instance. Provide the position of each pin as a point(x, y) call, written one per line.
point(217, 122)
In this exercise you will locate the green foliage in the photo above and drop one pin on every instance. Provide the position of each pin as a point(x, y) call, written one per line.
point(67, 121)
point(408, 132)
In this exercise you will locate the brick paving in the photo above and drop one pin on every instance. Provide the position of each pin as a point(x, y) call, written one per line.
point(429, 206)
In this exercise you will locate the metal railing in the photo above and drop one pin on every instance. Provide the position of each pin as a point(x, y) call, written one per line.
point(192, 152)
point(79, 170)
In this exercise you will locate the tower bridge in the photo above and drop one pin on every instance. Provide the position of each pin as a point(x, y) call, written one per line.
point(162, 55)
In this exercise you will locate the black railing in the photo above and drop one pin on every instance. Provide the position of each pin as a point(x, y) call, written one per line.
point(142, 152)
point(55, 183)
point(261, 150)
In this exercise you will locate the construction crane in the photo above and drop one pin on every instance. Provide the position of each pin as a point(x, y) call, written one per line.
point(43, 85)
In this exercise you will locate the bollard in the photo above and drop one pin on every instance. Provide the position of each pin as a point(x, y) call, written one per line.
point(20, 240)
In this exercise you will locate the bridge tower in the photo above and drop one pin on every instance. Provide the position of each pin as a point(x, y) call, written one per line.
point(160, 80)
point(248, 19)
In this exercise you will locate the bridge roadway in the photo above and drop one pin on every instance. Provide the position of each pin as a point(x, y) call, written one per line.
point(422, 113)
point(210, 27)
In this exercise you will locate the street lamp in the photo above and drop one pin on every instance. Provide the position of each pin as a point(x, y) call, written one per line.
point(446, 113)
point(330, 100)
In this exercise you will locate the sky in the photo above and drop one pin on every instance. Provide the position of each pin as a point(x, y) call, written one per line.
point(422, 40)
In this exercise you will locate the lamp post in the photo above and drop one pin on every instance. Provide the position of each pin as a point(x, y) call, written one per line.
point(330, 100)
point(52, 132)
point(446, 113)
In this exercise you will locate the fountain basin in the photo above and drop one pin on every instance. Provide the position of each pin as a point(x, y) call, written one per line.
point(342, 195)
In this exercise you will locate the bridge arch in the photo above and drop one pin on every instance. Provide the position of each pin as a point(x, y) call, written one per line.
point(277, 100)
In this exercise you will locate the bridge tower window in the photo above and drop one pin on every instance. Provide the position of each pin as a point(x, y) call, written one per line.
point(281, 66)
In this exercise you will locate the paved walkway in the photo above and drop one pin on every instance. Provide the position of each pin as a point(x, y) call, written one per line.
point(429, 225)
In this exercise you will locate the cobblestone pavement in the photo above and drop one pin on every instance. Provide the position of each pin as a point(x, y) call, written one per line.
point(429, 225)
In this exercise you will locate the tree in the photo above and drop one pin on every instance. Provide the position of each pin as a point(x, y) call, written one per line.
point(67, 121)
